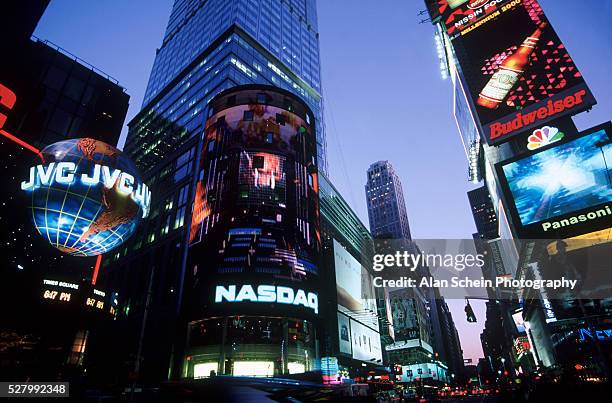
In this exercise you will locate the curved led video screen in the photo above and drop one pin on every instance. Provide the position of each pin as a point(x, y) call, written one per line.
point(255, 236)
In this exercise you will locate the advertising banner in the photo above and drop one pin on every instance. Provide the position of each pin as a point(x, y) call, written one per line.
point(522, 78)
point(562, 189)
point(458, 15)
point(404, 312)
point(366, 343)
point(344, 334)
point(354, 284)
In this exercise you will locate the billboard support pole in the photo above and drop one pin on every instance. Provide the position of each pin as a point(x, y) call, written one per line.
point(94, 277)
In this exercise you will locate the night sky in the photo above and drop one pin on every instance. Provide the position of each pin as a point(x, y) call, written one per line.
point(383, 93)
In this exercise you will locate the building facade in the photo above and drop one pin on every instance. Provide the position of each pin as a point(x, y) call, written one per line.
point(386, 205)
point(252, 296)
point(503, 84)
point(55, 96)
point(208, 47)
point(357, 326)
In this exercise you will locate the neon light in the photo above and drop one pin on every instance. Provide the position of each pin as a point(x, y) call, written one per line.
point(20, 142)
point(592, 334)
point(268, 293)
point(92, 180)
point(65, 173)
point(61, 176)
point(7, 99)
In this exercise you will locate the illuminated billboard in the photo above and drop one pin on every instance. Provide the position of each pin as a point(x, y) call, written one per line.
point(458, 15)
point(522, 78)
point(271, 144)
point(563, 189)
point(254, 236)
point(267, 294)
point(262, 178)
point(354, 286)
point(86, 196)
point(404, 313)
point(344, 334)
point(519, 322)
point(413, 372)
point(365, 343)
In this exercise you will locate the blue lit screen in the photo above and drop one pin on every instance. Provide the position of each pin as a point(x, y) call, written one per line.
point(570, 177)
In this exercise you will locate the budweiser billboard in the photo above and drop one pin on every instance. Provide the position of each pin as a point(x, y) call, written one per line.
point(518, 73)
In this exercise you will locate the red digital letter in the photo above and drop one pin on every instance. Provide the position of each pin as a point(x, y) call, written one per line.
point(7, 99)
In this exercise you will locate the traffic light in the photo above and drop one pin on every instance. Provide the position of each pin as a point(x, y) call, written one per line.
point(469, 313)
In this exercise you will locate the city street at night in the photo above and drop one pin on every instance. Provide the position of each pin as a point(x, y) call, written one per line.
point(306, 201)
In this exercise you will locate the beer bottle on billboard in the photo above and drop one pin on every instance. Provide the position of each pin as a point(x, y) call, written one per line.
point(453, 4)
point(509, 72)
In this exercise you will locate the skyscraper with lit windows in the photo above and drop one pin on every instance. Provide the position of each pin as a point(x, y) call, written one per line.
point(386, 205)
point(208, 47)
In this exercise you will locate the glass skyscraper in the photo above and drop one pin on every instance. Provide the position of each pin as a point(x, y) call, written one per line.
point(210, 46)
point(386, 205)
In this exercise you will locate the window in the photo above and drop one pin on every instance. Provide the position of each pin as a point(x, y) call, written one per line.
point(166, 226)
point(269, 137)
point(258, 162)
point(261, 98)
point(182, 172)
point(183, 195)
point(184, 157)
point(211, 146)
point(180, 218)
point(280, 119)
point(248, 116)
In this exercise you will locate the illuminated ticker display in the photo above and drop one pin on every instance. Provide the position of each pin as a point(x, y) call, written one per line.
point(79, 295)
point(522, 78)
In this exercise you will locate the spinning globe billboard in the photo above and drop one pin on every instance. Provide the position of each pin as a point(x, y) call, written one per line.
point(87, 198)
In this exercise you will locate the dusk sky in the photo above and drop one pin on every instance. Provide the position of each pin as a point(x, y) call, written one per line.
point(384, 98)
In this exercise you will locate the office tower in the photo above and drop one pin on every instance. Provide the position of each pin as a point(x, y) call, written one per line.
point(24, 17)
point(496, 345)
point(211, 46)
point(415, 346)
point(208, 47)
point(56, 96)
point(484, 214)
point(386, 206)
point(446, 337)
point(252, 293)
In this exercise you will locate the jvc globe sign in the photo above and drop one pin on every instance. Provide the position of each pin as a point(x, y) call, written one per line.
point(87, 197)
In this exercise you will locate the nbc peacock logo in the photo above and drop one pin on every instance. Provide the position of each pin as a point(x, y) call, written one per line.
point(543, 137)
